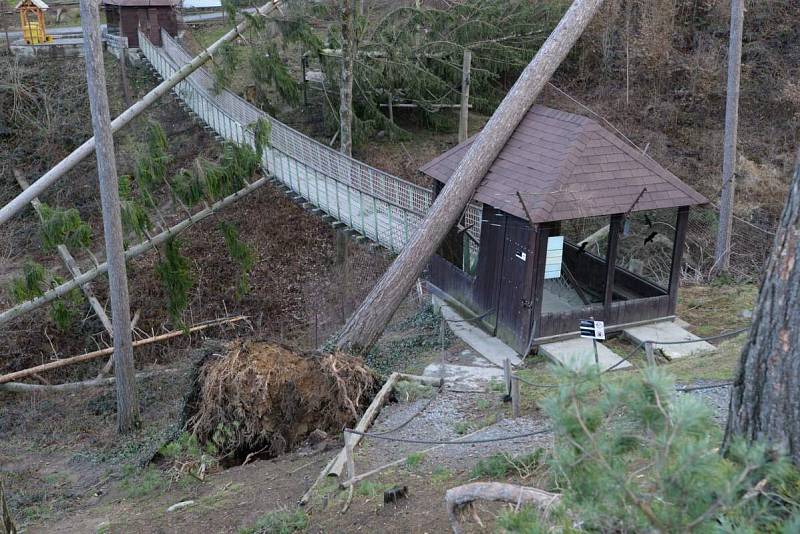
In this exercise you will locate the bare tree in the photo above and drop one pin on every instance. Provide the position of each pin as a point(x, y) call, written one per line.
point(366, 324)
point(723, 249)
point(765, 401)
point(127, 405)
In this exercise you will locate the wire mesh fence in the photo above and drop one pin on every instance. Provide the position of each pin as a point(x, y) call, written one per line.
point(750, 246)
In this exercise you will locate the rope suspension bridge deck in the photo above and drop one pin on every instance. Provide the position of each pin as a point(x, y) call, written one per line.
point(383, 208)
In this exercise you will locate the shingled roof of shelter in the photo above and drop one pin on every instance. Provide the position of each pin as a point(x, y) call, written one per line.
point(567, 166)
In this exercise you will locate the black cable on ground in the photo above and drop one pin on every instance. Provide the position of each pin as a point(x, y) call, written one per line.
point(438, 442)
point(698, 388)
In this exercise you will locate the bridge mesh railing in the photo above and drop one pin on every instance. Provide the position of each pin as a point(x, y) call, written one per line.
point(384, 208)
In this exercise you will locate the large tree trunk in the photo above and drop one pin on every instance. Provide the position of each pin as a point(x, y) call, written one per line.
point(124, 372)
point(346, 83)
point(765, 401)
point(367, 323)
point(722, 256)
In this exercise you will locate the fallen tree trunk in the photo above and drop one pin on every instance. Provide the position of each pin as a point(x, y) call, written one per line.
point(141, 248)
point(368, 322)
point(86, 149)
point(10, 377)
point(460, 496)
point(21, 387)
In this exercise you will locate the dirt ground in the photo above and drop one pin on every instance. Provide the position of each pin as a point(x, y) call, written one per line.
point(66, 470)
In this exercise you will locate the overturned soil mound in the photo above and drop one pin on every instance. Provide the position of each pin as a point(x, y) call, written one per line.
point(259, 396)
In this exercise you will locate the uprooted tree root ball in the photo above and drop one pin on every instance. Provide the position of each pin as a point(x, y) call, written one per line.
point(259, 396)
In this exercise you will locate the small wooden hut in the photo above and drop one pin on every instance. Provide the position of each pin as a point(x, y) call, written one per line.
point(31, 18)
point(576, 223)
point(125, 17)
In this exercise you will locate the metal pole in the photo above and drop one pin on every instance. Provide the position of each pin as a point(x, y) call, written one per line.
point(596, 356)
point(124, 371)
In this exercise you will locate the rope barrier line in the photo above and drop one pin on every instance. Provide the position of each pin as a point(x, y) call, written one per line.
point(451, 442)
point(414, 416)
point(699, 388)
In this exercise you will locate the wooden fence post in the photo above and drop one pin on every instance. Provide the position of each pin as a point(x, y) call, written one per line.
point(507, 375)
point(348, 451)
point(648, 350)
point(515, 397)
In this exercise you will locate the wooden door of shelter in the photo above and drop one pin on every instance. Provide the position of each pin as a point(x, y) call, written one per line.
point(514, 299)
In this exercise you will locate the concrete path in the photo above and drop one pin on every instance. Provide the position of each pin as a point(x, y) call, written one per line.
point(669, 331)
point(487, 346)
point(578, 352)
point(474, 374)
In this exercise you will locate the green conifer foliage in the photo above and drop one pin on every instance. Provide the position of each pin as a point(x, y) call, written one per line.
point(176, 278)
point(63, 227)
point(637, 456)
point(31, 284)
point(134, 213)
point(243, 254)
point(262, 130)
point(34, 282)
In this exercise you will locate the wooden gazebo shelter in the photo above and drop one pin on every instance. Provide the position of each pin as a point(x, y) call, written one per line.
point(576, 223)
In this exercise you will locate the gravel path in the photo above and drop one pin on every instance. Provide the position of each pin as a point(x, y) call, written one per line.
point(716, 398)
point(447, 414)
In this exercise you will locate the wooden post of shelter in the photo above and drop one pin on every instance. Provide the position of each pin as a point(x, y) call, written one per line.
point(124, 371)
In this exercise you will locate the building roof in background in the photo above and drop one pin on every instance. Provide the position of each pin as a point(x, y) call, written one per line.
point(566, 166)
point(141, 3)
point(38, 3)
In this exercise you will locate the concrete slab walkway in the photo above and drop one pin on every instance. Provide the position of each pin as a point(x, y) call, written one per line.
point(669, 331)
point(487, 346)
point(578, 352)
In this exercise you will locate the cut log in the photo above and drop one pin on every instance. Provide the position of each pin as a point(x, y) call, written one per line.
point(366, 420)
point(10, 377)
point(460, 496)
point(368, 322)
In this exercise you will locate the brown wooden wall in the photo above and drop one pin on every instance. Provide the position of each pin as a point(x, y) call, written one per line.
point(502, 287)
point(509, 288)
point(127, 21)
